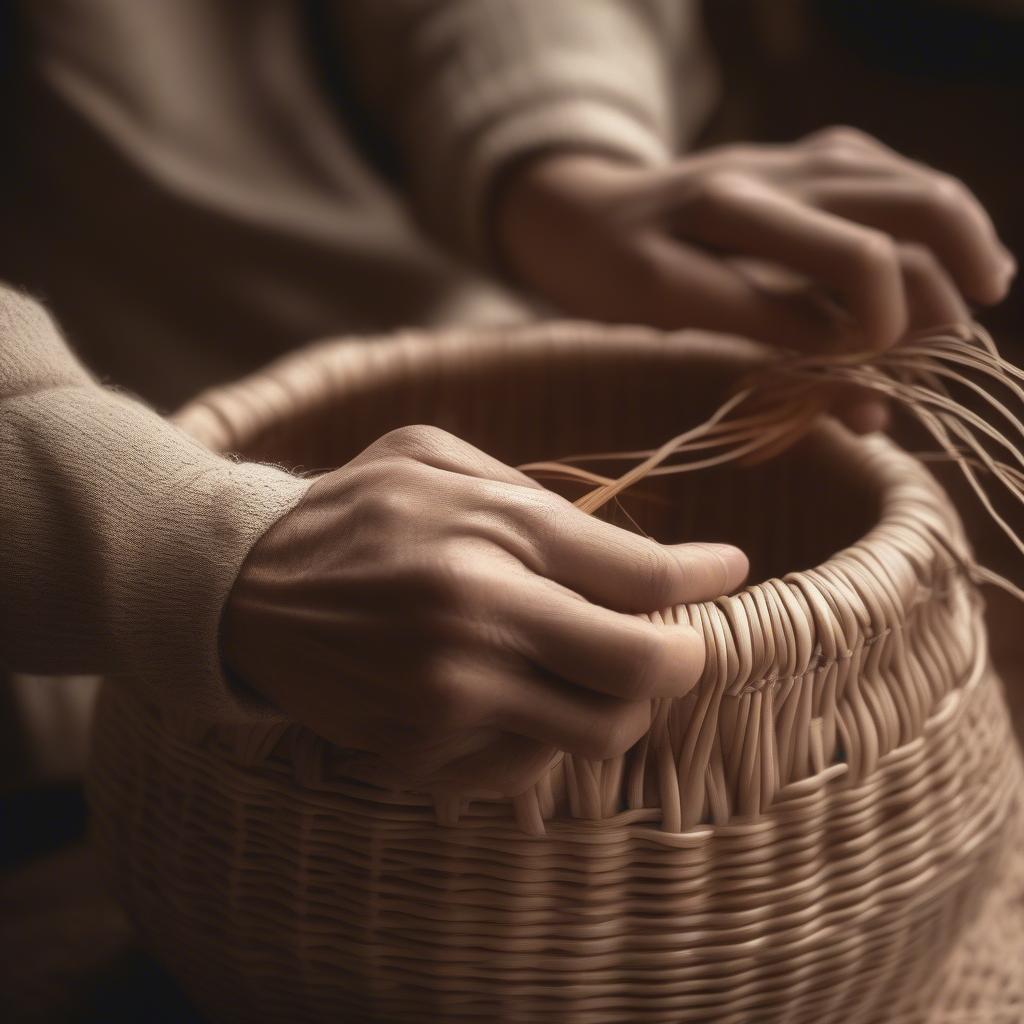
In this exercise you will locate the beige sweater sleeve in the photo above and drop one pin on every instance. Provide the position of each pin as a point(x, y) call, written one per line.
point(464, 88)
point(120, 537)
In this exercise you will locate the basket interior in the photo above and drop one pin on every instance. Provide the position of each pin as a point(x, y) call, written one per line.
point(788, 514)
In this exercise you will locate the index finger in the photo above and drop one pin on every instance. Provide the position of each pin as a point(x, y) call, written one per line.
point(622, 655)
point(860, 264)
point(613, 567)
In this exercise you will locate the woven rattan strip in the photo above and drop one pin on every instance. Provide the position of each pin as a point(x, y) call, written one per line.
point(827, 829)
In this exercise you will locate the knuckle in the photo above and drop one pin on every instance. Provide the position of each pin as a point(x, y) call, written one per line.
point(394, 442)
point(438, 583)
point(454, 581)
point(946, 193)
point(829, 161)
point(386, 482)
point(875, 254)
point(659, 576)
point(415, 441)
point(640, 270)
point(449, 699)
point(837, 150)
point(840, 136)
point(721, 188)
point(918, 260)
point(466, 591)
point(384, 507)
point(543, 513)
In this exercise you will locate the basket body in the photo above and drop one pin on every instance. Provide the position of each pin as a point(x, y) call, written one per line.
point(827, 830)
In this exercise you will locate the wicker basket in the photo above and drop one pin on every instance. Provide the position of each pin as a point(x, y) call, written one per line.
point(828, 829)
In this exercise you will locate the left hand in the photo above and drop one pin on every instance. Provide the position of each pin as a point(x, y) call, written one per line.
point(833, 241)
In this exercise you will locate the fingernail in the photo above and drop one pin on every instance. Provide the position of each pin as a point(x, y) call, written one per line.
point(733, 557)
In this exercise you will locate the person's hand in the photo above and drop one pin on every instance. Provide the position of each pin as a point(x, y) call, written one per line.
point(833, 241)
point(457, 623)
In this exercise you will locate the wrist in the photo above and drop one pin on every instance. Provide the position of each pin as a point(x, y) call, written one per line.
point(248, 617)
point(547, 192)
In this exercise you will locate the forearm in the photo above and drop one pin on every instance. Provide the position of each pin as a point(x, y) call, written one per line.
point(467, 89)
point(119, 536)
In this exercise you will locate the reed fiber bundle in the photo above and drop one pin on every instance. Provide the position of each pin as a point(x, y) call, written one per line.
point(828, 828)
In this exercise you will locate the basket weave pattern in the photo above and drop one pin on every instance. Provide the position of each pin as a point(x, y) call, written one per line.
point(809, 836)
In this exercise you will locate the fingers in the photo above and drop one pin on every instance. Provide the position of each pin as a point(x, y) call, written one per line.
point(567, 717)
point(932, 296)
point(528, 701)
point(534, 714)
point(614, 567)
point(933, 300)
point(835, 208)
point(488, 762)
point(855, 145)
point(670, 284)
point(508, 765)
point(624, 656)
point(737, 214)
point(512, 718)
point(933, 210)
point(913, 202)
point(816, 154)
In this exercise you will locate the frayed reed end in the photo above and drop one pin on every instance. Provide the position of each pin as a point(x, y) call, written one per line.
point(775, 407)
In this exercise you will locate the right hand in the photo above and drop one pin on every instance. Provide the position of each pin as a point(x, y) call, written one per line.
point(832, 243)
point(454, 624)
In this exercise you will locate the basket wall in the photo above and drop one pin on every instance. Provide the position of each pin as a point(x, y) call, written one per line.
point(831, 816)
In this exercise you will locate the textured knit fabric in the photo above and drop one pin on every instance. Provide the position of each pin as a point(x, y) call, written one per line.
point(119, 536)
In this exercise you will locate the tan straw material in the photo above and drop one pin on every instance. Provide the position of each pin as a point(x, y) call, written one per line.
point(827, 829)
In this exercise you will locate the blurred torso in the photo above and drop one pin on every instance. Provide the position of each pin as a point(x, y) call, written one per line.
point(188, 199)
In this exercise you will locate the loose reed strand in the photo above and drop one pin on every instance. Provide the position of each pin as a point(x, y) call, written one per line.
point(913, 374)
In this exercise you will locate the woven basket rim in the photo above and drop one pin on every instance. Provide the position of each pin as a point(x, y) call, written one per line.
point(825, 611)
